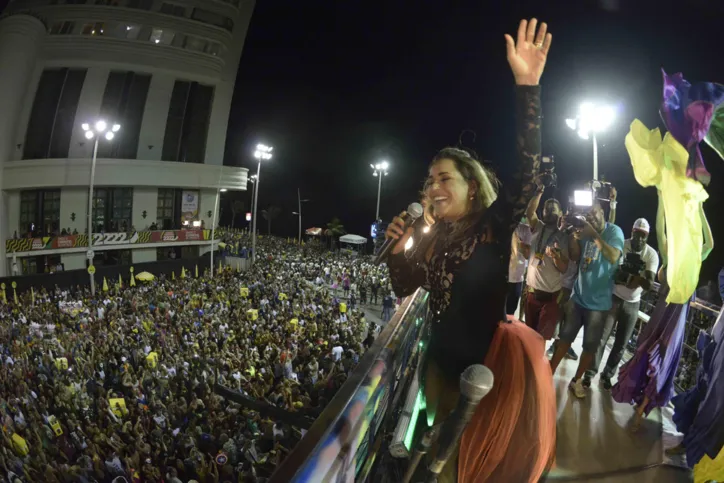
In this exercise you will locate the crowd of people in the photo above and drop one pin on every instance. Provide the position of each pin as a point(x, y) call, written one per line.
point(120, 386)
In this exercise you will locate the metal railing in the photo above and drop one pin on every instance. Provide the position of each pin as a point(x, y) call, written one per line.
point(344, 441)
point(701, 317)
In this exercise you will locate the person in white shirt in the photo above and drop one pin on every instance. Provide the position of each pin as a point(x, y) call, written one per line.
point(519, 253)
point(627, 293)
point(549, 257)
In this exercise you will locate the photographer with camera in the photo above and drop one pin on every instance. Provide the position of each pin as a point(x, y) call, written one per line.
point(597, 249)
point(548, 262)
point(636, 274)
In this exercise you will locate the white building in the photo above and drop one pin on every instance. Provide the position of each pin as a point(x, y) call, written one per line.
point(164, 70)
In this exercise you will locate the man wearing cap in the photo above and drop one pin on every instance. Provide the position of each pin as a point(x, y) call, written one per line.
point(626, 300)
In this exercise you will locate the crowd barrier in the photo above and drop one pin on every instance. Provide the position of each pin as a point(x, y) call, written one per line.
point(345, 441)
point(73, 278)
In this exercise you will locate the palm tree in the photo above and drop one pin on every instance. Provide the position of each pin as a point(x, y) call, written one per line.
point(335, 229)
point(269, 214)
point(237, 206)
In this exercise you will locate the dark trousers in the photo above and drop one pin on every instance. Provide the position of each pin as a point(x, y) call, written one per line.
point(623, 316)
point(514, 291)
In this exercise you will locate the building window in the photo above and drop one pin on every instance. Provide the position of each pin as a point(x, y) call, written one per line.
point(161, 36)
point(62, 28)
point(171, 9)
point(28, 211)
point(132, 31)
point(51, 211)
point(99, 209)
point(212, 18)
point(112, 210)
point(213, 48)
point(95, 28)
point(124, 101)
point(166, 210)
point(40, 212)
point(141, 4)
point(122, 207)
point(52, 119)
point(195, 44)
point(187, 123)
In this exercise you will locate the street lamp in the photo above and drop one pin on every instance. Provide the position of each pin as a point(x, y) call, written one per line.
point(299, 213)
point(379, 170)
point(96, 131)
point(262, 153)
point(592, 119)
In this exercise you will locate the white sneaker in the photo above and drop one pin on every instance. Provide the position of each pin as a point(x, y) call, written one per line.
point(577, 388)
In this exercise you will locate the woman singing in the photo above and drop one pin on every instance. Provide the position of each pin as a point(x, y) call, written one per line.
point(511, 437)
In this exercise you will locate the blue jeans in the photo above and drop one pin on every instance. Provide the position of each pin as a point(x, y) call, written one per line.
point(592, 321)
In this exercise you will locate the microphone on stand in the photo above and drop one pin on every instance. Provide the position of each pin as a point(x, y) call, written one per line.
point(414, 211)
point(475, 382)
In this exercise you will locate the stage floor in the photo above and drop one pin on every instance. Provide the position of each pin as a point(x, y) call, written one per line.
point(595, 442)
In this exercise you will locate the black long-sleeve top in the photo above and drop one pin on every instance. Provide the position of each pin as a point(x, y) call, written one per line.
point(467, 272)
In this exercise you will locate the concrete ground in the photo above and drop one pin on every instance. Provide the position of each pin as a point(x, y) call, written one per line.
point(595, 443)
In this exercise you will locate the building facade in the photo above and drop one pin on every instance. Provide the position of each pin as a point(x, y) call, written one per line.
point(162, 69)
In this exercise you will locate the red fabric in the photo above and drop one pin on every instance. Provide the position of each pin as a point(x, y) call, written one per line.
point(542, 316)
point(512, 435)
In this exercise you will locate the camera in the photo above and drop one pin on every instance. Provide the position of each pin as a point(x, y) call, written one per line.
point(548, 178)
point(574, 222)
point(632, 266)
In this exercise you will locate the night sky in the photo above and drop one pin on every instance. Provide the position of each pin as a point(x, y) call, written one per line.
point(335, 86)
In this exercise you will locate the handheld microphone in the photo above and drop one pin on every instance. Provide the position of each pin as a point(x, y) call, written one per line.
point(414, 211)
point(475, 383)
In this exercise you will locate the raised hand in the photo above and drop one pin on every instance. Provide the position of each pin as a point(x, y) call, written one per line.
point(528, 54)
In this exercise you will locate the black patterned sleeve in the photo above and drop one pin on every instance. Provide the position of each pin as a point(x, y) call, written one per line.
point(406, 275)
point(521, 188)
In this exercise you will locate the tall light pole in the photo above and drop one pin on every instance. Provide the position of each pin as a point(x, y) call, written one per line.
point(100, 128)
point(262, 152)
point(219, 190)
point(592, 119)
point(379, 170)
point(299, 213)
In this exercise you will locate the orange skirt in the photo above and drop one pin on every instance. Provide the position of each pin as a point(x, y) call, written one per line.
point(512, 435)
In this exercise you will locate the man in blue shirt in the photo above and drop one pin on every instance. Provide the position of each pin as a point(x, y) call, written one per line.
point(597, 247)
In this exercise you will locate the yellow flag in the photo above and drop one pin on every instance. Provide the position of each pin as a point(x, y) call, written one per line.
point(15, 296)
point(197, 271)
point(133, 280)
point(105, 285)
point(173, 275)
point(32, 294)
point(120, 281)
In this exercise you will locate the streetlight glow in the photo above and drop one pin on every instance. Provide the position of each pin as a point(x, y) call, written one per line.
point(591, 120)
point(100, 127)
point(379, 170)
point(223, 190)
point(262, 152)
